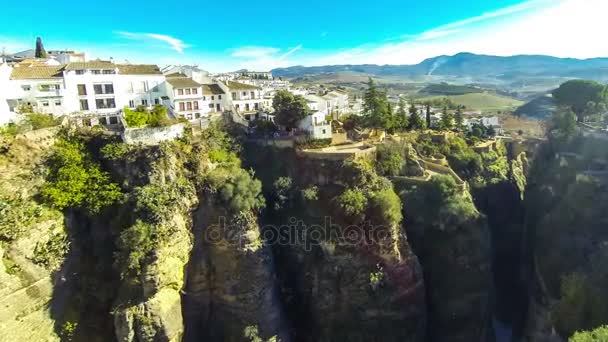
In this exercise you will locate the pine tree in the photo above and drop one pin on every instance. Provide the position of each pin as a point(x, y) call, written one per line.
point(375, 107)
point(401, 119)
point(415, 122)
point(459, 119)
point(447, 121)
point(40, 52)
point(428, 114)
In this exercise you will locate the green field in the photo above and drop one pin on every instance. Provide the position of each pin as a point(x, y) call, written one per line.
point(484, 101)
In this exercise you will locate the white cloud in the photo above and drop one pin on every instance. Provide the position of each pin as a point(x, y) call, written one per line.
point(254, 52)
point(263, 57)
point(174, 43)
point(562, 28)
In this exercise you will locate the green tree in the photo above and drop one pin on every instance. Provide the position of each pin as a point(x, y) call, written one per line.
point(386, 207)
point(40, 51)
point(75, 181)
point(577, 94)
point(415, 121)
point(427, 106)
point(459, 119)
point(447, 120)
point(375, 107)
point(401, 120)
point(237, 189)
point(289, 109)
point(563, 123)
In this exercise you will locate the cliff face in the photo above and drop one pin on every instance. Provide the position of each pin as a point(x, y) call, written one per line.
point(566, 216)
point(32, 242)
point(230, 279)
point(341, 277)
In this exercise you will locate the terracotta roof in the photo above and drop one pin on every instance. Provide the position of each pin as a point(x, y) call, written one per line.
point(36, 72)
point(90, 65)
point(239, 86)
point(138, 69)
point(182, 82)
point(212, 89)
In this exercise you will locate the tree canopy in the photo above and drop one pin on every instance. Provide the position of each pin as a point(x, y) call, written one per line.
point(289, 109)
point(577, 94)
point(375, 107)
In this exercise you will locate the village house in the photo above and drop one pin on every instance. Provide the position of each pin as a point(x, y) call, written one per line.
point(316, 126)
point(245, 99)
point(183, 97)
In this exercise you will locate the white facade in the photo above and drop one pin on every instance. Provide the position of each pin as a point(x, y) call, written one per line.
point(316, 126)
point(6, 114)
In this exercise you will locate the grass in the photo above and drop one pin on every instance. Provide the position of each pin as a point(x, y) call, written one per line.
point(484, 101)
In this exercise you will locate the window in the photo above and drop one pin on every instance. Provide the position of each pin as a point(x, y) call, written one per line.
point(45, 103)
point(96, 72)
point(79, 72)
point(182, 107)
point(211, 106)
point(257, 106)
point(188, 91)
point(109, 72)
point(195, 105)
point(244, 93)
point(82, 89)
point(189, 105)
point(180, 91)
point(101, 89)
point(144, 102)
point(105, 103)
point(57, 102)
point(219, 97)
point(197, 115)
point(131, 103)
point(247, 107)
point(194, 91)
point(212, 98)
point(103, 121)
point(26, 87)
point(84, 105)
point(113, 120)
point(156, 101)
point(145, 85)
point(233, 95)
point(252, 95)
point(324, 131)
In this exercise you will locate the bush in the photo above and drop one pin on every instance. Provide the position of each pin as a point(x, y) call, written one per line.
point(134, 244)
point(38, 121)
point(115, 151)
point(311, 193)
point(75, 181)
point(237, 189)
point(139, 117)
point(352, 201)
point(313, 143)
point(390, 160)
point(386, 207)
point(598, 335)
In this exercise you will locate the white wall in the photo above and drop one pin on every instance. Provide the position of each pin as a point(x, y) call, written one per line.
point(5, 114)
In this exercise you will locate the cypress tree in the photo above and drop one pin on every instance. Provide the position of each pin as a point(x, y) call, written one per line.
point(459, 119)
point(40, 51)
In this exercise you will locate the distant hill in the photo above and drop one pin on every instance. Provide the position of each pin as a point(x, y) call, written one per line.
point(513, 71)
point(449, 89)
point(540, 107)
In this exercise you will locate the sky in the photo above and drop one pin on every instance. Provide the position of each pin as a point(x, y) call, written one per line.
point(262, 35)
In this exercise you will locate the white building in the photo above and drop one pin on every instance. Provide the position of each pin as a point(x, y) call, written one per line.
point(336, 103)
point(6, 114)
point(316, 126)
point(244, 98)
point(199, 75)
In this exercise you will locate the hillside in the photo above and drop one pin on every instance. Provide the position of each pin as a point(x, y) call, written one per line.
point(484, 101)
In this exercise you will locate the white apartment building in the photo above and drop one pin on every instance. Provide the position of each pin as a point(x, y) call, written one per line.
point(316, 126)
point(84, 87)
point(191, 100)
point(244, 98)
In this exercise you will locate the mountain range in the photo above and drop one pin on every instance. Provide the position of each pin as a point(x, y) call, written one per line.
point(513, 71)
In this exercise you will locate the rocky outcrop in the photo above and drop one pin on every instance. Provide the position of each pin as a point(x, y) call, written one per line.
point(27, 275)
point(231, 282)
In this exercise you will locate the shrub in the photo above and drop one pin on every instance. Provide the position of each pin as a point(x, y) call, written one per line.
point(38, 121)
point(352, 201)
point(115, 151)
point(598, 335)
point(237, 189)
point(386, 207)
point(51, 253)
point(390, 161)
point(135, 118)
point(75, 181)
point(310, 194)
point(134, 244)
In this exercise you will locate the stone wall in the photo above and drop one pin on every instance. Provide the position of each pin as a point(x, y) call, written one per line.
point(152, 135)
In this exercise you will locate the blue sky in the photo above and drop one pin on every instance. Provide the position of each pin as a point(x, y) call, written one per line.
point(227, 35)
